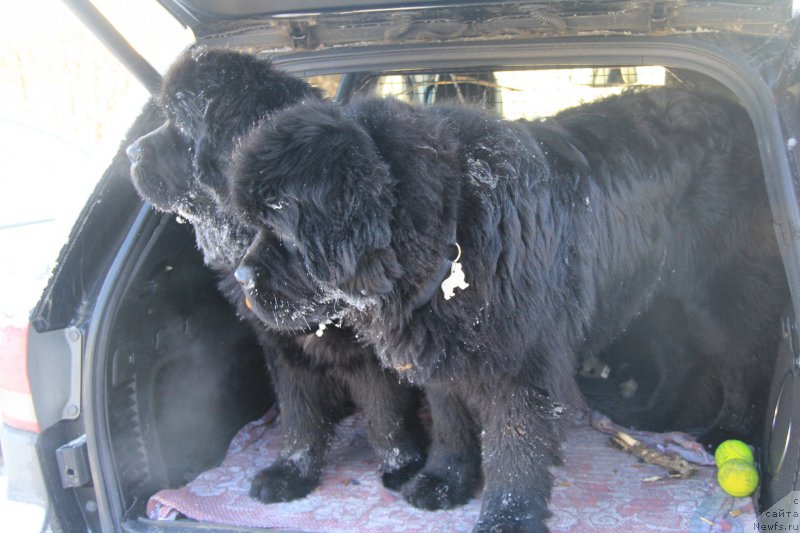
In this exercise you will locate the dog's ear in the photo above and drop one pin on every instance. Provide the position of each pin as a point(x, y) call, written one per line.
point(316, 175)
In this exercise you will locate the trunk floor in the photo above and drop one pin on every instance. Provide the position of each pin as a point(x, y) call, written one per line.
point(599, 488)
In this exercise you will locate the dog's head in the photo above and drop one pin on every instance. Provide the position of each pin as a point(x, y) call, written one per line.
point(315, 178)
point(278, 289)
point(210, 99)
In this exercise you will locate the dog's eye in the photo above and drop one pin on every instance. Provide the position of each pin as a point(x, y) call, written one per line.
point(282, 221)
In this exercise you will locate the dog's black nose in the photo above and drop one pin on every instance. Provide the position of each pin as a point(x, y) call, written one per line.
point(134, 152)
point(245, 275)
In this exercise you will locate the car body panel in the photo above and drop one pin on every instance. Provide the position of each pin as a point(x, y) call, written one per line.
point(314, 25)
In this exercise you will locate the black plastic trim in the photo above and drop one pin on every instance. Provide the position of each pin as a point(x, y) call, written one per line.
point(101, 458)
point(65, 513)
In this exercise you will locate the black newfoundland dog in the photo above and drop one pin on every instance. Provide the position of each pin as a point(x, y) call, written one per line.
point(210, 99)
point(548, 239)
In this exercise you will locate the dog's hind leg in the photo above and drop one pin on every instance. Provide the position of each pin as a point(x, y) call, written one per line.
point(741, 406)
point(452, 471)
point(391, 411)
point(738, 328)
point(521, 440)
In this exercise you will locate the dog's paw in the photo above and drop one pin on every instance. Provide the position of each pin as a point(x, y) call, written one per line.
point(433, 492)
point(507, 513)
point(282, 482)
point(510, 526)
point(394, 478)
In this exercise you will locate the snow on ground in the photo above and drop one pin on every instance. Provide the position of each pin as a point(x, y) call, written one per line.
point(15, 516)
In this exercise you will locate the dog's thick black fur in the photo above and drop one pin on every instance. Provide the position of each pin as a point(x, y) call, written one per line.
point(210, 99)
point(680, 383)
point(568, 230)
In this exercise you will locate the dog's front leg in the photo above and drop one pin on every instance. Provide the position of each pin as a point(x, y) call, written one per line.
point(310, 405)
point(391, 412)
point(520, 441)
point(452, 471)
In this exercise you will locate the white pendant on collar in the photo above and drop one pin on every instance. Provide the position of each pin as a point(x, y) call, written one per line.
point(456, 279)
point(322, 327)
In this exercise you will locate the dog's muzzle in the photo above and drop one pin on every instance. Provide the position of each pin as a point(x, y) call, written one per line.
point(134, 152)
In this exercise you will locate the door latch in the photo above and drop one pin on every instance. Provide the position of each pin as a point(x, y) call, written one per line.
point(73, 463)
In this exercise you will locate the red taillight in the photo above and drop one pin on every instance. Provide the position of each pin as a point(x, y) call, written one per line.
point(16, 401)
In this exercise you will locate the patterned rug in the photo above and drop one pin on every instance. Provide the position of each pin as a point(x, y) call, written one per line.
point(599, 489)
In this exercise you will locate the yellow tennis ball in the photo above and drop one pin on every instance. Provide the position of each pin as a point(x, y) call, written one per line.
point(733, 449)
point(737, 477)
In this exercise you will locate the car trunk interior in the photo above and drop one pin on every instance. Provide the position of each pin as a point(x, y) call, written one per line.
point(183, 374)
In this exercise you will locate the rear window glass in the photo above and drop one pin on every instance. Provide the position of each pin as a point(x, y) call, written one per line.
point(518, 94)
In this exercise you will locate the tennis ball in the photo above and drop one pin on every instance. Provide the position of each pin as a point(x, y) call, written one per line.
point(733, 449)
point(737, 477)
